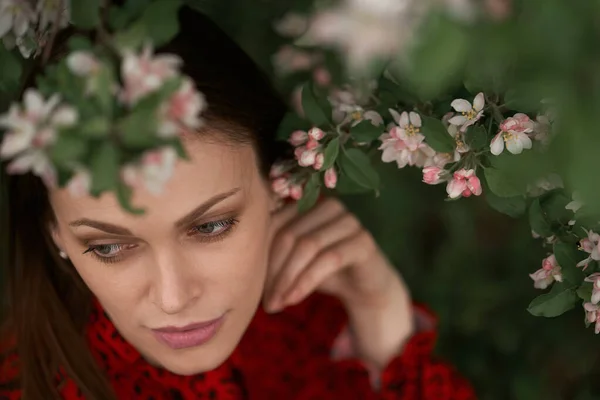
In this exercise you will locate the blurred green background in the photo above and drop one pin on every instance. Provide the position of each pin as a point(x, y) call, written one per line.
point(469, 263)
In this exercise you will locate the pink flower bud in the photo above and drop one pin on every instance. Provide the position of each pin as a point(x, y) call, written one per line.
point(307, 158)
point(298, 151)
point(321, 76)
point(316, 133)
point(277, 170)
point(474, 185)
point(281, 186)
point(330, 178)
point(298, 138)
point(431, 175)
point(312, 144)
point(319, 161)
point(464, 183)
point(296, 192)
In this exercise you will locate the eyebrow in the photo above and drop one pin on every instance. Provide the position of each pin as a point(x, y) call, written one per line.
point(182, 222)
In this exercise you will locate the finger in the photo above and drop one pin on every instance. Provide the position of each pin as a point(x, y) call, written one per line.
point(296, 226)
point(307, 248)
point(344, 254)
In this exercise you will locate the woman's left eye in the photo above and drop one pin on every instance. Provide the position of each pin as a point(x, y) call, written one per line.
point(215, 228)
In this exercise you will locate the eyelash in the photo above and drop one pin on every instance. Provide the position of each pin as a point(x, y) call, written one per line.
point(228, 224)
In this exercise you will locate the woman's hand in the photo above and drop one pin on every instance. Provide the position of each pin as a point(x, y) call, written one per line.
point(327, 249)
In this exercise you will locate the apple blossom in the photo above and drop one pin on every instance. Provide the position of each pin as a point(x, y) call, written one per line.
point(16, 16)
point(592, 315)
point(433, 175)
point(306, 157)
point(181, 110)
point(404, 143)
point(296, 191)
point(366, 29)
point(281, 186)
point(595, 280)
point(316, 134)
point(51, 10)
point(469, 114)
point(79, 185)
point(319, 161)
point(154, 170)
point(546, 275)
point(591, 246)
point(290, 59)
point(514, 133)
point(145, 73)
point(298, 138)
point(330, 178)
point(464, 183)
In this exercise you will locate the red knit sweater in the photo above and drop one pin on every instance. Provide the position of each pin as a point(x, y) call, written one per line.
point(298, 354)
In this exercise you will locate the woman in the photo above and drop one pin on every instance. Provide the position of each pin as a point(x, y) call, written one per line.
point(215, 292)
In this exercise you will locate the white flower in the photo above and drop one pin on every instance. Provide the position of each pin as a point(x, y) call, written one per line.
point(182, 110)
point(514, 132)
point(404, 144)
point(464, 183)
point(366, 29)
point(49, 10)
point(469, 114)
point(591, 246)
point(595, 280)
point(15, 15)
point(85, 64)
point(153, 172)
point(145, 73)
point(35, 124)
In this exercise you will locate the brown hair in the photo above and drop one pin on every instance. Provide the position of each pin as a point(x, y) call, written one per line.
point(46, 303)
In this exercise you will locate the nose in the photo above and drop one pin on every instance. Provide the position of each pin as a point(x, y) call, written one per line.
point(175, 288)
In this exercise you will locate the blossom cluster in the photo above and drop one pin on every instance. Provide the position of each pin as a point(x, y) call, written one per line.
point(33, 127)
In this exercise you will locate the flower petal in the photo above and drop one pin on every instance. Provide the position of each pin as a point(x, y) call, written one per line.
point(514, 146)
point(65, 116)
point(458, 120)
point(461, 105)
point(404, 120)
point(455, 188)
point(395, 115)
point(479, 102)
point(374, 117)
point(6, 22)
point(415, 119)
point(497, 145)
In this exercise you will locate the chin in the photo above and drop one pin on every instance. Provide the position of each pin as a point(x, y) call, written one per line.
point(194, 363)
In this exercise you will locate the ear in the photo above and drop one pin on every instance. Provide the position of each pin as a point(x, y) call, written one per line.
point(56, 237)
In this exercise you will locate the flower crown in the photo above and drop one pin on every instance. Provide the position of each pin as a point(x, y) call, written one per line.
point(108, 118)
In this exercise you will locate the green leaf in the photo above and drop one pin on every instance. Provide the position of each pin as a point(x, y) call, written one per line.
point(138, 129)
point(366, 132)
point(331, 153)
point(512, 206)
point(162, 20)
point(104, 93)
point(291, 122)
point(553, 203)
point(79, 42)
point(347, 186)
point(104, 166)
point(559, 300)
point(131, 38)
point(357, 166)
point(501, 184)
point(538, 221)
point(585, 291)
point(85, 14)
point(10, 73)
point(123, 193)
point(567, 256)
point(439, 57)
point(68, 148)
point(436, 135)
point(96, 128)
point(476, 137)
point(313, 108)
point(311, 193)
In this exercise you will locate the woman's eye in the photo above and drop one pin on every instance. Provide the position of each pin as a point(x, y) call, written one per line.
point(215, 228)
point(105, 250)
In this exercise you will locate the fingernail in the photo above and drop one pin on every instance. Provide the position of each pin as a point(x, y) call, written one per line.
point(293, 297)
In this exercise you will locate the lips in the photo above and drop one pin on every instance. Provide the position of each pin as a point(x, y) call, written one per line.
point(188, 336)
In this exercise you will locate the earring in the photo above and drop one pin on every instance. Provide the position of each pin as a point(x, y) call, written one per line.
point(63, 254)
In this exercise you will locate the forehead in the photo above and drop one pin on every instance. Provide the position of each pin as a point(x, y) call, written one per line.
point(213, 167)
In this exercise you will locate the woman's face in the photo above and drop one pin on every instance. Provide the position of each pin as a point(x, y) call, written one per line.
point(182, 281)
